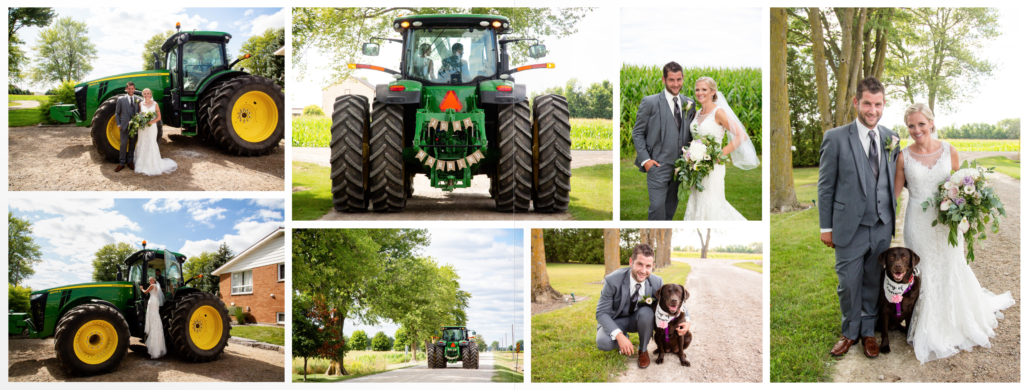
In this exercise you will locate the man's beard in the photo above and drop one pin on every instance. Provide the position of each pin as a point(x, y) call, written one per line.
point(864, 120)
point(635, 276)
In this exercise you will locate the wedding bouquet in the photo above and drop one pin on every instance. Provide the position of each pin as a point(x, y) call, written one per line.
point(698, 161)
point(967, 203)
point(139, 121)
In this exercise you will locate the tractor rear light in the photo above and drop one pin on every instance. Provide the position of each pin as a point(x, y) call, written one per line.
point(483, 23)
point(496, 24)
point(397, 88)
point(405, 24)
point(417, 24)
point(505, 88)
point(451, 100)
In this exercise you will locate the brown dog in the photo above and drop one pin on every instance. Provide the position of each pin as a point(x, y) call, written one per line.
point(900, 289)
point(670, 300)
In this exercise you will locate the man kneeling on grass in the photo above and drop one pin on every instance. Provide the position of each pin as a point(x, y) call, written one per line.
point(620, 308)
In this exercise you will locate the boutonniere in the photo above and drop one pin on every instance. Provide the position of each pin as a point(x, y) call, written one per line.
point(688, 105)
point(890, 147)
point(647, 300)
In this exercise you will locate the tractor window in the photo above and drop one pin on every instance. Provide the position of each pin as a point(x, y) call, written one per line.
point(135, 275)
point(172, 66)
point(198, 60)
point(173, 276)
point(451, 56)
point(453, 334)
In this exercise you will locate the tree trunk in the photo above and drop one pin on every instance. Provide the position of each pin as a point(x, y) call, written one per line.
point(305, 367)
point(341, 362)
point(667, 259)
point(659, 253)
point(783, 193)
point(704, 243)
point(540, 291)
point(611, 251)
point(820, 73)
point(645, 237)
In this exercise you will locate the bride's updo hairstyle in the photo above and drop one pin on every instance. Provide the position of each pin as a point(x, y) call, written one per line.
point(711, 84)
point(924, 110)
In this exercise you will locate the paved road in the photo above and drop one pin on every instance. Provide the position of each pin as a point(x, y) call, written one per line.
point(421, 374)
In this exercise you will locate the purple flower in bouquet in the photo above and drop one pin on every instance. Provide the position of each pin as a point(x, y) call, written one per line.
point(968, 180)
point(960, 201)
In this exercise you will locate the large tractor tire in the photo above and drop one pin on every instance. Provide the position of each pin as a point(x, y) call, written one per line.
point(552, 142)
point(199, 327)
point(106, 136)
point(515, 164)
point(91, 339)
point(470, 357)
point(246, 115)
point(350, 131)
point(431, 356)
point(387, 169)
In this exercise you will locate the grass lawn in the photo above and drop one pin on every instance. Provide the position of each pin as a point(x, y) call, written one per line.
point(750, 266)
point(267, 334)
point(590, 199)
point(742, 190)
point(1003, 165)
point(563, 347)
point(26, 117)
point(39, 98)
point(502, 372)
point(12, 104)
point(321, 378)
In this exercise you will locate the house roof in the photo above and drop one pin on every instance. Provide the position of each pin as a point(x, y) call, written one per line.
point(366, 83)
point(248, 250)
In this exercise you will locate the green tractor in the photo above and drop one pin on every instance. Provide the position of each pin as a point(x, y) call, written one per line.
point(197, 91)
point(453, 111)
point(92, 322)
point(455, 344)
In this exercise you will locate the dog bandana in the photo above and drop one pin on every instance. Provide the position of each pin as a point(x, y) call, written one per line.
point(662, 318)
point(894, 291)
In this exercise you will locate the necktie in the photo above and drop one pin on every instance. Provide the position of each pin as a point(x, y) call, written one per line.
point(873, 154)
point(636, 293)
point(677, 114)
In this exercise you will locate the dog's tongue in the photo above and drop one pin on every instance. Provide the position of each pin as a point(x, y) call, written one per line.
point(673, 308)
point(898, 277)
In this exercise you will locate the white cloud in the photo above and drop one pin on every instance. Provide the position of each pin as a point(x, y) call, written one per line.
point(270, 215)
point(205, 215)
point(270, 203)
point(248, 233)
point(212, 25)
point(170, 205)
point(263, 22)
point(67, 207)
point(249, 12)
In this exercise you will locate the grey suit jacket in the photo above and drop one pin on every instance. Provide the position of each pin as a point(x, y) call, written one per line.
point(614, 300)
point(125, 109)
point(843, 180)
point(653, 120)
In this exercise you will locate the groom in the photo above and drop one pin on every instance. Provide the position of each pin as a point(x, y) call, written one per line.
point(661, 130)
point(857, 209)
point(125, 109)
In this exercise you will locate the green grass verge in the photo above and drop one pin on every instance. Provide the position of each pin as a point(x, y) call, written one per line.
point(1002, 164)
point(12, 104)
point(717, 255)
point(39, 98)
point(26, 117)
point(590, 199)
point(742, 190)
point(563, 347)
point(750, 266)
point(267, 334)
point(502, 372)
point(320, 378)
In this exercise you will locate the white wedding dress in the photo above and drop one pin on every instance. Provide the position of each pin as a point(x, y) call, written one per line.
point(710, 204)
point(953, 312)
point(147, 152)
point(154, 328)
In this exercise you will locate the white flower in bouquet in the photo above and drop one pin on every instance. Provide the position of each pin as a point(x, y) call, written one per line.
point(969, 189)
point(952, 192)
point(964, 225)
point(707, 157)
point(698, 150)
point(947, 185)
point(945, 205)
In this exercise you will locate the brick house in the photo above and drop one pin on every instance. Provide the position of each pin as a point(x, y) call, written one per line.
point(254, 279)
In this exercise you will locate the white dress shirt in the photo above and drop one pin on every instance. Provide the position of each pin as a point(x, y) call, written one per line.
point(672, 107)
point(632, 289)
point(865, 141)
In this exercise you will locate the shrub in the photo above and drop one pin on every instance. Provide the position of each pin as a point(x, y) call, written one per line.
point(313, 109)
point(64, 94)
point(17, 298)
point(239, 313)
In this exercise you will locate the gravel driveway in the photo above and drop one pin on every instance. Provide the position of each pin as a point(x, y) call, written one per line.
point(421, 374)
point(33, 360)
point(725, 308)
point(62, 158)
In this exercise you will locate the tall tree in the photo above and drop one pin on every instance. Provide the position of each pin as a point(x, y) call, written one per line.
point(540, 287)
point(611, 250)
point(199, 265)
point(22, 251)
point(262, 61)
point(705, 243)
point(152, 46)
point(18, 17)
point(359, 340)
point(663, 257)
point(108, 259)
point(223, 256)
point(380, 342)
point(306, 335)
point(783, 192)
point(63, 52)
point(481, 344)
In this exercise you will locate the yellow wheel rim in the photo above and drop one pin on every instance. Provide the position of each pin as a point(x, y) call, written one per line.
point(95, 342)
point(254, 116)
point(113, 134)
point(206, 327)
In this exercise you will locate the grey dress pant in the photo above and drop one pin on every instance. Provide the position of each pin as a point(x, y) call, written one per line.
point(860, 279)
point(662, 192)
point(642, 322)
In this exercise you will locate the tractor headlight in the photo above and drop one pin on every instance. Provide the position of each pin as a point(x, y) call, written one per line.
point(34, 296)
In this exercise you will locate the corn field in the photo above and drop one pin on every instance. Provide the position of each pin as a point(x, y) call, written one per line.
point(311, 131)
point(980, 145)
point(741, 87)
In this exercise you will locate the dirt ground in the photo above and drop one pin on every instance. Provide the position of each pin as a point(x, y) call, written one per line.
point(997, 267)
point(62, 158)
point(33, 360)
point(726, 315)
point(421, 374)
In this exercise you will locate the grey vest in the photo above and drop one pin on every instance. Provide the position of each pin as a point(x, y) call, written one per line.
point(671, 138)
point(878, 195)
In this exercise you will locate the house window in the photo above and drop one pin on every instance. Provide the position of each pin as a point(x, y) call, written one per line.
point(241, 282)
point(280, 272)
point(280, 318)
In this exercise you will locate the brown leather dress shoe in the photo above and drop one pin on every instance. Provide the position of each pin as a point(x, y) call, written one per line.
point(870, 347)
point(842, 346)
point(644, 360)
point(119, 168)
point(131, 166)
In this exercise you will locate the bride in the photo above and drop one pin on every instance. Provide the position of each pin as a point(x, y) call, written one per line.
point(715, 119)
point(154, 328)
point(953, 312)
point(147, 152)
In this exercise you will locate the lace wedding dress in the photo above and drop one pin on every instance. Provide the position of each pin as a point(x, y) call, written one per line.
point(710, 204)
point(953, 312)
point(147, 152)
point(154, 328)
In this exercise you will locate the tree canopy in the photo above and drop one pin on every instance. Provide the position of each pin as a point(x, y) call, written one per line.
point(153, 45)
point(263, 62)
point(593, 102)
point(108, 259)
point(18, 17)
point(63, 52)
point(359, 340)
point(381, 342)
point(22, 251)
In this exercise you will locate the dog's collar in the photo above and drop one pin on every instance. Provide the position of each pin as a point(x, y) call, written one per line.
point(894, 291)
point(662, 318)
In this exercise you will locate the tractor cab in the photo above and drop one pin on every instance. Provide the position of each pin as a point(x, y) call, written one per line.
point(145, 263)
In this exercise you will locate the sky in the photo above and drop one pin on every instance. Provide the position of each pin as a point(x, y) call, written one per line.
point(70, 232)
point(584, 55)
point(997, 97)
point(120, 33)
point(721, 37)
point(748, 234)
point(490, 267)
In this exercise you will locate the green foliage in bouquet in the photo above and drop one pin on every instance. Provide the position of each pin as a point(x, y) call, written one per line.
point(967, 203)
